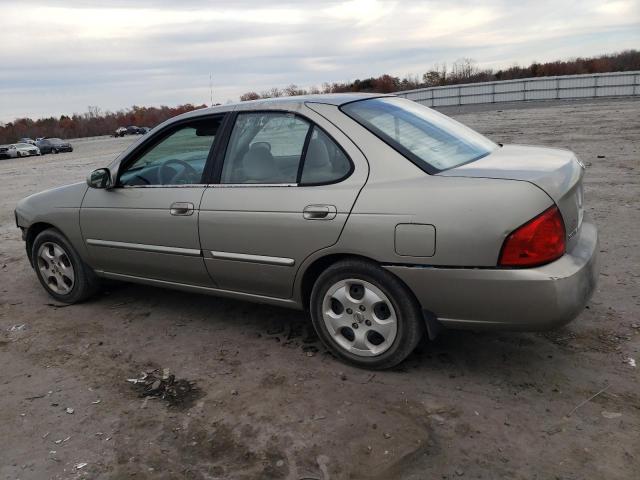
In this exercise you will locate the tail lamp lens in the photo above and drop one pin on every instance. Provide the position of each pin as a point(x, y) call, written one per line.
point(539, 241)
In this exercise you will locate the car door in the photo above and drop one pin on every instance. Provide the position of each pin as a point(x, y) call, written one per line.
point(284, 189)
point(147, 226)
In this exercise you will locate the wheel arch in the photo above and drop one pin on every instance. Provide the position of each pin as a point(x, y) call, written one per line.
point(313, 271)
point(32, 232)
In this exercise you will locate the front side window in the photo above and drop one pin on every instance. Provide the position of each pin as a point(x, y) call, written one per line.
point(178, 158)
point(431, 140)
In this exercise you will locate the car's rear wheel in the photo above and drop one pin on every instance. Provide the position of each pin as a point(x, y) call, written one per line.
point(60, 269)
point(365, 315)
point(53, 150)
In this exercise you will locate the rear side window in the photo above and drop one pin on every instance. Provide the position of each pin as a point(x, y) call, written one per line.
point(265, 148)
point(434, 142)
point(325, 162)
point(279, 147)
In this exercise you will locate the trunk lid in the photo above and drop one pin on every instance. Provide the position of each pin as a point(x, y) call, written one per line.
point(558, 172)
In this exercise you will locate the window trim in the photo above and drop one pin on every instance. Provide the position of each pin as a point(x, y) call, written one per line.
point(148, 143)
point(216, 170)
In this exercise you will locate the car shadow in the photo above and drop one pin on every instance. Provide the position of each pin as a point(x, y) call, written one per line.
point(454, 353)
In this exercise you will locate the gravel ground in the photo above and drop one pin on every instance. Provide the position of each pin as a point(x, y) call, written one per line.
point(265, 399)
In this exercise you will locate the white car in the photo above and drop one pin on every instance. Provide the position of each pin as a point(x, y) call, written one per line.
point(18, 150)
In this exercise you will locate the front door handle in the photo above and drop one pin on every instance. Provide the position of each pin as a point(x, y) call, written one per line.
point(182, 208)
point(319, 212)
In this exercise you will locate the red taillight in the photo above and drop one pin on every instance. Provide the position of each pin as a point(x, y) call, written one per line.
point(538, 241)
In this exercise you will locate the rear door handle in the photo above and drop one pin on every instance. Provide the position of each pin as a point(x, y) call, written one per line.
point(319, 212)
point(182, 208)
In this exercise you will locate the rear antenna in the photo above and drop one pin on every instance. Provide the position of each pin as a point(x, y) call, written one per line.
point(210, 91)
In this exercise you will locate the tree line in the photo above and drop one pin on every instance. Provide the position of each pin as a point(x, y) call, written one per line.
point(464, 70)
point(91, 123)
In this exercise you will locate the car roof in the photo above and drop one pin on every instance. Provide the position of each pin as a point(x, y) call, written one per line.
point(292, 103)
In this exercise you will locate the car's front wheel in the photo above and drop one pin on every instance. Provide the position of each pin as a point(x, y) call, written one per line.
point(60, 269)
point(365, 315)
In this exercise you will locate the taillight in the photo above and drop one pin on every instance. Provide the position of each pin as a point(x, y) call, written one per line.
point(538, 241)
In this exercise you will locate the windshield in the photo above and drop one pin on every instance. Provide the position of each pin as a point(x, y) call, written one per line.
point(434, 142)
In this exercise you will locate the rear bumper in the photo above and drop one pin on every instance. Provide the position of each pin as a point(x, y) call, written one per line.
point(516, 299)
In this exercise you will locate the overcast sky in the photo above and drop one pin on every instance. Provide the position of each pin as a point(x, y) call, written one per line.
point(59, 56)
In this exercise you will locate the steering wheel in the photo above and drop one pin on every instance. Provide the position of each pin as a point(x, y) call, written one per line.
point(168, 176)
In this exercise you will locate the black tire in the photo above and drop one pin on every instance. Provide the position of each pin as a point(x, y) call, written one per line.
point(53, 150)
point(85, 282)
point(410, 322)
point(18, 155)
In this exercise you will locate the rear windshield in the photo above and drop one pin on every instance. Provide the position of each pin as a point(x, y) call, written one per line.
point(434, 142)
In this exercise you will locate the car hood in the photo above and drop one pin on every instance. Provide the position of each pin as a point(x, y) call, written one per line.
point(556, 171)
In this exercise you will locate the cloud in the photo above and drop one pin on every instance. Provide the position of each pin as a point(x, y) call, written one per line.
point(60, 56)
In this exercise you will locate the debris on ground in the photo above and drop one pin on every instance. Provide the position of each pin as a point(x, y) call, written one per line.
point(167, 387)
point(310, 349)
point(18, 328)
point(630, 361)
point(606, 414)
point(587, 400)
point(69, 410)
point(78, 466)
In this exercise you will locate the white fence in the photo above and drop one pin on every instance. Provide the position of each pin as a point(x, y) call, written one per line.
point(595, 85)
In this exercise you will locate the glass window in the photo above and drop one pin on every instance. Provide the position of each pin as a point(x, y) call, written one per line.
point(325, 162)
point(265, 148)
point(433, 141)
point(178, 159)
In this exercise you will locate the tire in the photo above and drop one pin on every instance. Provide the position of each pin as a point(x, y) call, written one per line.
point(377, 300)
point(60, 269)
point(53, 150)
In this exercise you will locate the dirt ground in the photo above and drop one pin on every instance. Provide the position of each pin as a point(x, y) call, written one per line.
point(266, 400)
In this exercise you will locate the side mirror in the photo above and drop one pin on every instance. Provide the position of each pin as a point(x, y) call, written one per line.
point(100, 178)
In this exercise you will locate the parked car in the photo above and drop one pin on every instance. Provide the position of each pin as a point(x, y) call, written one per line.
point(27, 140)
point(384, 219)
point(54, 145)
point(18, 150)
point(120, 132)
point(133, 130)
point(143, 130)
point(26, 150)
point(5, 152)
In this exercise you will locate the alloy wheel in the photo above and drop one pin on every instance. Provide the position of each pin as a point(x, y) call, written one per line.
point(359, 317)
point(56, 268)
